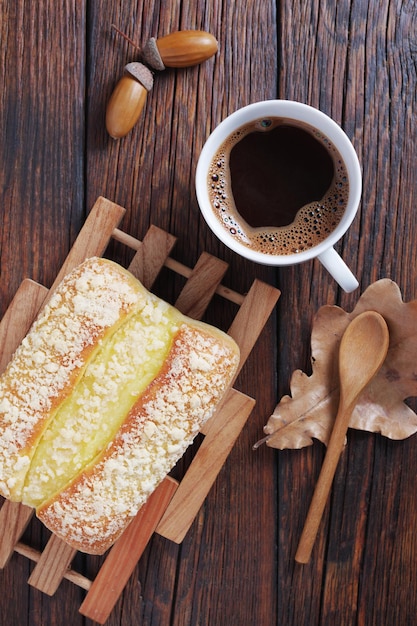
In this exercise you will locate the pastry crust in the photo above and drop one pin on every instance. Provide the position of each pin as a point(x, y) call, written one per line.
point(174, 371)
point(155, 434)
point(88, 306)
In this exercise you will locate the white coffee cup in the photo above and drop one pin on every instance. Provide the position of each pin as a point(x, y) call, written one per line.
point(306, 114)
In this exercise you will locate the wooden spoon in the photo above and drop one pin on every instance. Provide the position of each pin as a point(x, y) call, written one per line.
point(363, 349)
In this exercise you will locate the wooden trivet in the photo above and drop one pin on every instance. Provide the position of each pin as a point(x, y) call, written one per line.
point(171, 509)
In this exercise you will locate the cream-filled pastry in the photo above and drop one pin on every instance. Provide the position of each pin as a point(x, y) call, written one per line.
point(101, 399)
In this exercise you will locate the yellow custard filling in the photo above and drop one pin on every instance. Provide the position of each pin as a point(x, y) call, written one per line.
point(87, 421)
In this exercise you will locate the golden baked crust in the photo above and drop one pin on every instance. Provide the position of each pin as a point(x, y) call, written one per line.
point(126, 383)
point(88, 305)
point(155, 434)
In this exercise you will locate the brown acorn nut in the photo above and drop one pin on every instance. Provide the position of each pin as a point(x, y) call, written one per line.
point(128, 99)
point(180, 49)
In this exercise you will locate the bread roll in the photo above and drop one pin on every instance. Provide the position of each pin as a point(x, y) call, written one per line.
point(101, 399)
point(89, 305)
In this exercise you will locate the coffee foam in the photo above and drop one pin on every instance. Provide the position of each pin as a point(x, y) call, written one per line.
point(313, 223)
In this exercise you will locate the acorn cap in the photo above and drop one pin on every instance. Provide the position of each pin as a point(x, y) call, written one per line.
point(151, 55)
point(141, 73)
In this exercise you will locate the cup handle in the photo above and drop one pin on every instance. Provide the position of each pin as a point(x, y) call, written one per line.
point(335, 265)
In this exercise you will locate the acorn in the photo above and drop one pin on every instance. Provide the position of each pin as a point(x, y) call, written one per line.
point(128, 99)
point(179, 49)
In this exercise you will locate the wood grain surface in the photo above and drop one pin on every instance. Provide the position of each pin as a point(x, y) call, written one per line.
point(355, 60)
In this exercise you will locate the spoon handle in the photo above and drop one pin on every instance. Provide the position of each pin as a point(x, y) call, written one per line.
point(323, 485)
point(370, 330)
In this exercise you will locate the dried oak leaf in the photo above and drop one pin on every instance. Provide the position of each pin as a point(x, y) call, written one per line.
point(310, 410)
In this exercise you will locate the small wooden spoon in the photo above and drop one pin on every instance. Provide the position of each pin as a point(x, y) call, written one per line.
point(363, 349)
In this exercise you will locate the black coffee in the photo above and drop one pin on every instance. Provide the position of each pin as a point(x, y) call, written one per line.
point(278, 187)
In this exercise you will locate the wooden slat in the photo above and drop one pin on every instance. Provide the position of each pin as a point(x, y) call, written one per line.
point(177, 267)
point(52, 565)
point(252, 317)
point(34, 555)
point(201, 286)
point(14, 518)
point(151, 255)
point(123, 557)
point(224, 429)
point(19, 317)
point(171, 514)
point(93, 237)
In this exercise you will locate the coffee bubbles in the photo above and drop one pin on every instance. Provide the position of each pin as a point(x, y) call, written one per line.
point(279, 187)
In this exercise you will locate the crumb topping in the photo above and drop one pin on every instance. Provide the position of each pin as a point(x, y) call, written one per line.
point(159, 428)
point(101, 399)
point(51, 358)
point(110, 385)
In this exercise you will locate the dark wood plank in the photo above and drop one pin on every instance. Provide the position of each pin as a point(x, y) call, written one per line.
point(42, 124)
point(362, 73)
point(42, 131)
point(356, 61)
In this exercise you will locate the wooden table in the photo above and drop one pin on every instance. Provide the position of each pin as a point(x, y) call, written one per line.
point(357, 62)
